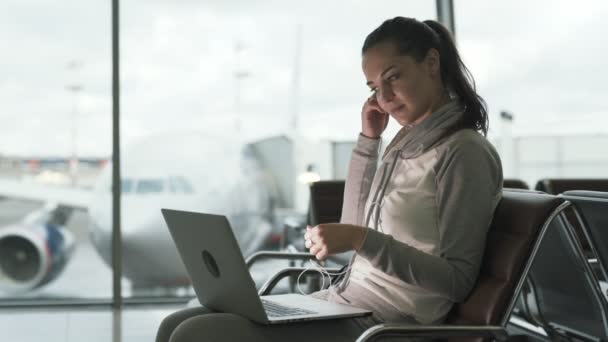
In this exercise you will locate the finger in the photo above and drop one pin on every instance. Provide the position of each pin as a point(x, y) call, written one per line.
point(321, 255)
point(307, 236)
point(376, 109)
point(314, 233)
point(316, 239)
point(308, 244)
point(315, 249)
point(372, 101)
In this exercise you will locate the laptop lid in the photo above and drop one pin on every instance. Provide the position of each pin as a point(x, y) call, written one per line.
point(213, 260)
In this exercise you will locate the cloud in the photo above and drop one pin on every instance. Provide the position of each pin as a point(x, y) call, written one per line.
point(541, 61)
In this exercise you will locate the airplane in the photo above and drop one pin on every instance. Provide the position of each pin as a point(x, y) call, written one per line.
point(188, 171)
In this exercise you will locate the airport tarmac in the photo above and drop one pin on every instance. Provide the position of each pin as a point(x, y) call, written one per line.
point(86, 276)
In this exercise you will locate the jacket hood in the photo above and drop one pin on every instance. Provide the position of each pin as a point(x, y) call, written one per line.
point(412, 141)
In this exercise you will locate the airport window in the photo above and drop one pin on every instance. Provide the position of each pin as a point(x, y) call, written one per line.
point(234, 108)
point(172, 185)
point(126, 186)
point(180, 185)
point(150, 186)
point(241, 102)
point(55, 143)
point(184, 185)
point(216, 94)
point(543, 69)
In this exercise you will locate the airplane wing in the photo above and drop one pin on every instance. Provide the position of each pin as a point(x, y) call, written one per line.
point(61, 195)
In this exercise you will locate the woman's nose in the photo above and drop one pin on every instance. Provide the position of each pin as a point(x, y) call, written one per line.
point(385, 94)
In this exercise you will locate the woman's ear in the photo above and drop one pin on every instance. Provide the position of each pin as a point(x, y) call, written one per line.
point(433, 61)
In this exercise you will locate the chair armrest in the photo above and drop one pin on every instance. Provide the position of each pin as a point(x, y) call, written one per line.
point(286, 272)
point(253, 258)
point(432, 331)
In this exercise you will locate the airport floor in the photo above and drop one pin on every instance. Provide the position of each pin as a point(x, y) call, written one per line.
point(95, 324)
point(131, 324)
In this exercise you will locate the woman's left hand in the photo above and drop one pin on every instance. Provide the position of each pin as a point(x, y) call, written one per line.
point(332, 238)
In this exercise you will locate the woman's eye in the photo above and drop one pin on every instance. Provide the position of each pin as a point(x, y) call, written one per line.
point(392, 77)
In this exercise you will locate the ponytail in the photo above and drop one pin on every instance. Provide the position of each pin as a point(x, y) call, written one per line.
point(415, 38)
point(455, 75)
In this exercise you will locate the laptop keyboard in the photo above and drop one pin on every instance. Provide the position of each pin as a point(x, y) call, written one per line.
point(278, 310)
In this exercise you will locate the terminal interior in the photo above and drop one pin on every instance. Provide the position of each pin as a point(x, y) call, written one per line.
point(251, 110)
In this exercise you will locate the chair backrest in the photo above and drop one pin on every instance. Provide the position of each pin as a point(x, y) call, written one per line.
point(592, 209)
point(326, 199)
point(557, 186)
point(515, 232)
point(569, 300)
point(513, 183)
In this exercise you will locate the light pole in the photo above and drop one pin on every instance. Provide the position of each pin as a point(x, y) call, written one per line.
point(75, 89)
point(73, 164)
point(445, 15)
point(239, 76)
point(507, 151)
point(295, 82)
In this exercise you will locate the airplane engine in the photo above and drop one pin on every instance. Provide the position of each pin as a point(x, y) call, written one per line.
point(32, 255)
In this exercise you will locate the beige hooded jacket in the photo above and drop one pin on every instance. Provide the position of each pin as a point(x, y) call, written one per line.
point(428, 208)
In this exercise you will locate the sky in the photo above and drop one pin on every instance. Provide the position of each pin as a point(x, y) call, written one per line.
point(543, 61)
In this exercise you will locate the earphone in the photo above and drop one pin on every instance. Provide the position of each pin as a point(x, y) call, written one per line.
point(323, 273)
point(374, 208)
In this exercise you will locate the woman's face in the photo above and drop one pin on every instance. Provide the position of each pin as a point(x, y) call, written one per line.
point(408, 90)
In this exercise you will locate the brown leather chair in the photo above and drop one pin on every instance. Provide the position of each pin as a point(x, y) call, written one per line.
point(325, 206)
point(326, 199)
point(513, 183)
point(519, 223)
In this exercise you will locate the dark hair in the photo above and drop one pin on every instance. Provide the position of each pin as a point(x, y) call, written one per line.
point(415, 39)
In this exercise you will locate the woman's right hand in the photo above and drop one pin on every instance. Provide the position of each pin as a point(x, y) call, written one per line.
point(373, 119)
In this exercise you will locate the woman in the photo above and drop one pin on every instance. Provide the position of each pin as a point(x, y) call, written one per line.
point(418, 223)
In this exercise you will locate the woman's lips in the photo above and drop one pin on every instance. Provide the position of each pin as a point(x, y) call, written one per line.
point(396, 109)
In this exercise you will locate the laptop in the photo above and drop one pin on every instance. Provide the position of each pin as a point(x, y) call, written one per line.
point(222, 281)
